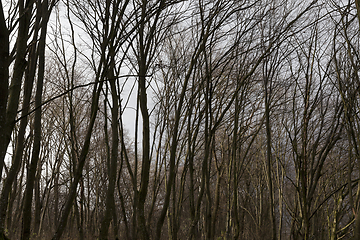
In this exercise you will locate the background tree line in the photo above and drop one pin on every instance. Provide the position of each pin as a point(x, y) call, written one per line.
point(246, 119)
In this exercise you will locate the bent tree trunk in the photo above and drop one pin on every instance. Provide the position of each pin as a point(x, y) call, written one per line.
point(82, 159)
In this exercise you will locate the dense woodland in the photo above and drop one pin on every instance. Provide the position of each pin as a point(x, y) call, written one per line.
point(245, 119)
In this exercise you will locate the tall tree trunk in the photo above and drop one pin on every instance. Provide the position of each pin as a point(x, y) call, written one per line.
point(4, 84)
point(268, 158)
point(145, 167)
point(112, 170)
point(31, 173)
point(38, 202)
point(233, 170)
point(20, 64)
point(82, 159)
point(12, 105)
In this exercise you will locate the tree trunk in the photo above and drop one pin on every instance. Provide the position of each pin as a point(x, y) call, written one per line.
point(82, 159)
point(268, 158)
point(4, 83)
point(25, 10)
point(112, 170)
point(31, 173)
point(14, 93)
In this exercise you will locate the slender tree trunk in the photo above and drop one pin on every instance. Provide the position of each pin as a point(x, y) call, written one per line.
point(4, 84)
point(110, 202)
point(38, 201)
point(268, 158)
point(82, 159)
point(234, 172)
point(77, 218)
point(11, 111)
point(145, 166)
point(20, 64)
point(31, 173)
point(215, 208)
